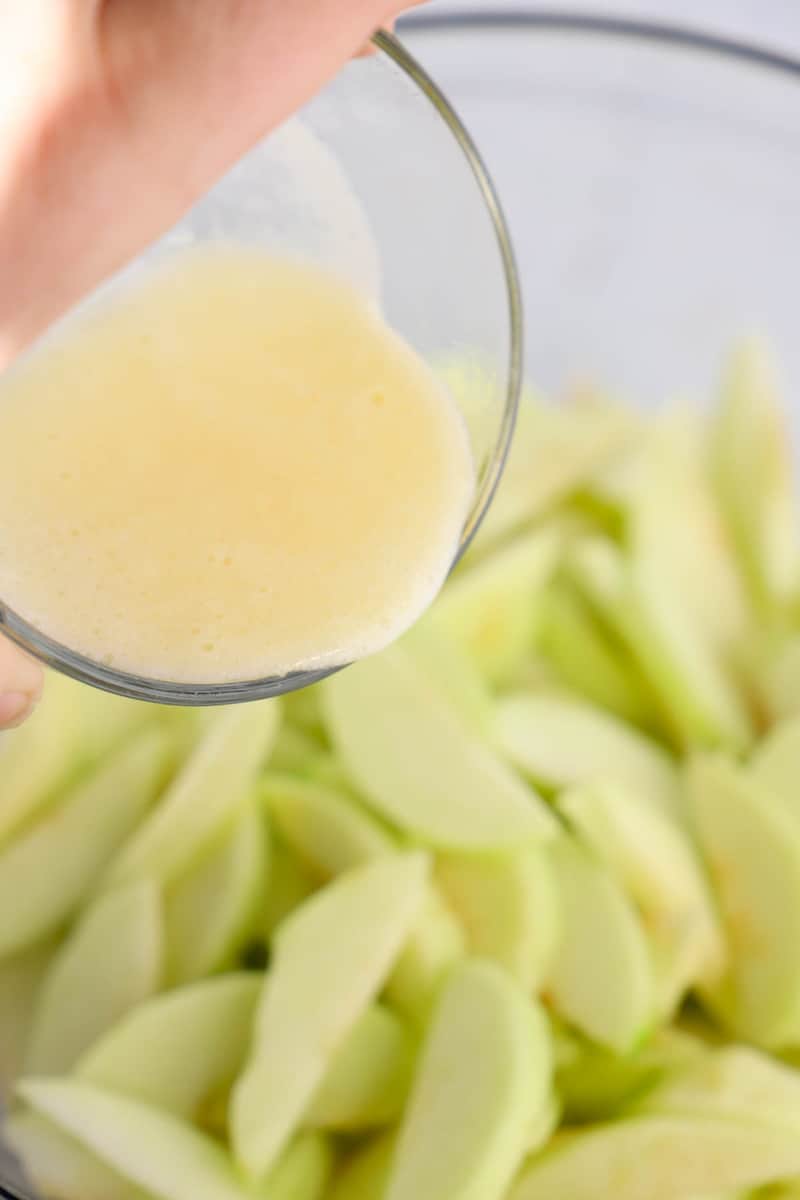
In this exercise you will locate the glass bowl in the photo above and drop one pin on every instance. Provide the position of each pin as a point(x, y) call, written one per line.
point(365, 184)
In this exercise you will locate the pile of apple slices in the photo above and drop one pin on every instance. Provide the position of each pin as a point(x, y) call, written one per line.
point(508, 912)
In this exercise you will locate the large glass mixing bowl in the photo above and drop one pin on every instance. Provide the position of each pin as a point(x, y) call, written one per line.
point(651, 180)
point(365, 183)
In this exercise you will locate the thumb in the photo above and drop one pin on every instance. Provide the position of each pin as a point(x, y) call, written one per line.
point(21, 680)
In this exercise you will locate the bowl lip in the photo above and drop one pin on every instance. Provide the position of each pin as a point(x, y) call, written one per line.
point(80, 667)
point(577, 21)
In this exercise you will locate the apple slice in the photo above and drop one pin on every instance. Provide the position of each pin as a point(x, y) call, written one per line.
point(586, 658)
point(111, 961)
point(509, 908)
point(331, 958)
point(736, 1082)
point(329, 830)
point(451, 670)
point(422, 769)
point(601, 979)
point(71, 729)
point(436, 943)
point(484, 1077)
point(365, 1172)
point(290, 882)
point(80, 834)
point(654, 860)
point(59, 1167)
point(20, 980)
point(209, 911)
point(754, 474)
point(775, 764)
point(778, 679)
point(559, 741)
point(367, 1083)
point(643, 607)
point(294, 750)
point(178, 1049)
point(214, 784)
point(304, 1171)
point(660, 1158)
point(751, 846)
point(490, 609)
point(151, 1148)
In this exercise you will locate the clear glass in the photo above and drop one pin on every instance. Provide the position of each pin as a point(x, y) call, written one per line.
point(365, 184)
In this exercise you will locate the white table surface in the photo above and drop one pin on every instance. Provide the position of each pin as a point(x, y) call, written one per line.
point(772, 22)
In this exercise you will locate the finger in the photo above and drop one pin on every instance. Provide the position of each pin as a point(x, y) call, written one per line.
point(21, 680)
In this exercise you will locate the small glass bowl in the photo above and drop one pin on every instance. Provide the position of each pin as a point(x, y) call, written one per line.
point(365, 184)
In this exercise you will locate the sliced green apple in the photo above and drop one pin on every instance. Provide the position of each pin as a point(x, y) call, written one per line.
point(420, 767)
point(180, 1048)
point(331, 958)
point(586, 658)
point(365, 1172)
point(210, 910)
point(601, 979)
point(642, 605)
point(20, 981)
point(329, 830)
point(754, 475)
point(59, 1167)
point(111, 962)
point(451, 670)
point(81, 832)
point(509, 907)
point(368, 1081)
point(434, 945)
point(490, 610)
point(659, 1158)
point(778, 679)
point(290, 882)
point(751, 846)
point(559, 741)
point(215, 783)
point(304, 1171)
point(294, 750)
point(484, 1077)
point(775, 764)
point(658, 866)
point(147, 1146)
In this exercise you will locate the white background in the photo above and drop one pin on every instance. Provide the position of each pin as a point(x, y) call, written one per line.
point(773, 22)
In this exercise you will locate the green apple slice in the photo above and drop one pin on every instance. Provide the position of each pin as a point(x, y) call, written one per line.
point(80, 834)
point(71, 729)
point(331, 958)
point(420, 767)
point(586, 658)
point(59, 1167)
point(509, 908)
point(659, 1158)
point(367, 1083)
point(304, 1171)
point(436, 943)
point(294, 750)
point(778, 679)
point(209, 911)
point(751, 846)
point(20, 980)
point(754, 475)
point(214, 784)
point(329, 830)
point(659, 869)
point(736, 1082)
point(451, 670)
point(775, 764)
point(643, 607)
point(111, 962)
point(490, 610)
point(365, 1173)
point(484, 1077)
point(601, 979)
point(290, 883)
point(559, 741)
point(178, 1049)
point(151, 1148)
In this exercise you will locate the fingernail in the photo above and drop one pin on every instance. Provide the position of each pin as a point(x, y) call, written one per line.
point(14, 708)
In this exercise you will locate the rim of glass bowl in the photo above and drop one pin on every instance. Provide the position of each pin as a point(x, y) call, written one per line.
point(136, 687)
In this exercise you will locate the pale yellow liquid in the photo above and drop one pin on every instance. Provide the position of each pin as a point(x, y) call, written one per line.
point(235, 469)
